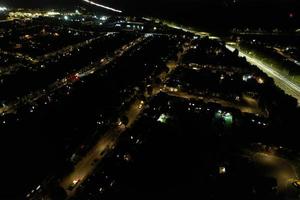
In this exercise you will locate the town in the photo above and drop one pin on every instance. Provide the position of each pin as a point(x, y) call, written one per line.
point(108, 106)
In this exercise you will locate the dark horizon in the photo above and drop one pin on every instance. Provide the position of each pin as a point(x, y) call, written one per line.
point(128, 5)
point(218, 14)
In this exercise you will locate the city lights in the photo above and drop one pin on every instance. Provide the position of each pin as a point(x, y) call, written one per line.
point(102, 104)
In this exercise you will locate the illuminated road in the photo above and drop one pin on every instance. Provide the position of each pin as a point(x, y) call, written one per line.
point(278, 167)
point(189, 30)
point(288, 57)
point(87, 165)
point(280, 80)
point(41, 59)
point(284, 175)
point(243, 108)
point(18, 56)
point(91, 69)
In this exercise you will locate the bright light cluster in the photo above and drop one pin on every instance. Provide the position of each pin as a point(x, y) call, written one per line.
point(102, 6)
point(3, 9)
point(52, 13)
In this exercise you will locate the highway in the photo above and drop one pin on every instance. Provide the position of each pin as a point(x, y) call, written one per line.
point(280, 80)
point(288, 57)
point(19, 56)
point(71, 47)
point(189, 30)
point(246, 108)
point(243, 108)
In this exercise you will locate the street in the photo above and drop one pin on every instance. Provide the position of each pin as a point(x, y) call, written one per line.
point(31, 98)
point(106, 143)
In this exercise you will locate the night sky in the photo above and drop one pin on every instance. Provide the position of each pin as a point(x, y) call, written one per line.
point(206, 13)
point(139, 3)
point(201, 13)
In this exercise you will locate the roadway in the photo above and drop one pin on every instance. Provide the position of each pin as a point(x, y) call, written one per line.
point(48, 56)
point(87, 164)
point(66, 81)
point(189, 30)
point(69, 48)
point(273, 165)
point(245, 108)
point(280, 80)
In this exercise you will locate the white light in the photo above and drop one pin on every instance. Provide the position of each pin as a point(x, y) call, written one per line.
point(103, 18)
point(102, 6)
point(38, 187)
point(222, 170)
point(66, 17)
point(3, 8)
point(52, 13)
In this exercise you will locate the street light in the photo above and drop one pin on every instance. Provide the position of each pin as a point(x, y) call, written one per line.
point(3, 9)
point(222, 170)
